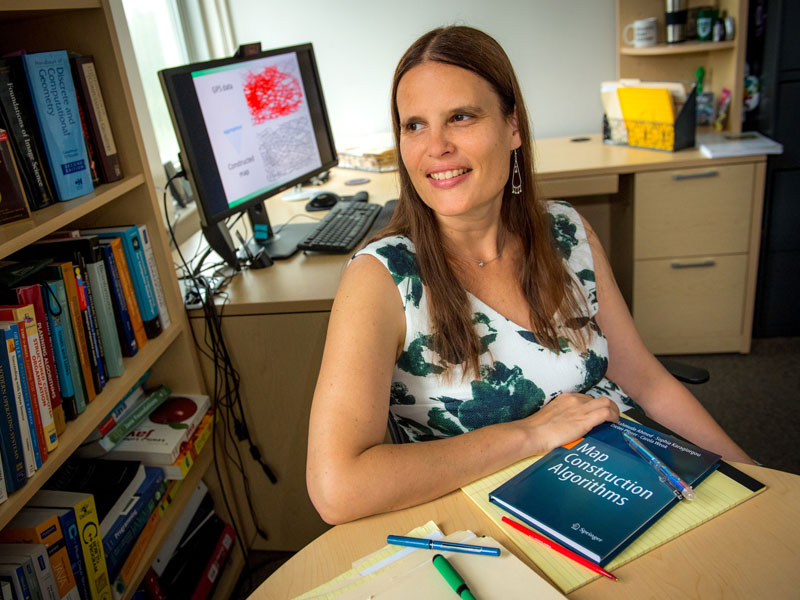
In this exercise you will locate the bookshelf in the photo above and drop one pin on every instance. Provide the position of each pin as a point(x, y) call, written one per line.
point(723, 61)
point(86, 26)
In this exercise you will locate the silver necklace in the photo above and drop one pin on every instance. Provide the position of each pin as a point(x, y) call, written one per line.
point(481, 263)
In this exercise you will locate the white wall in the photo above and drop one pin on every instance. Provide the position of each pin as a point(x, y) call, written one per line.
point(560, 49)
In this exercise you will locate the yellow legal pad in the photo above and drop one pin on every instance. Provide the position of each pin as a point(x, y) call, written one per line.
point(649, 116)
point(716, 494)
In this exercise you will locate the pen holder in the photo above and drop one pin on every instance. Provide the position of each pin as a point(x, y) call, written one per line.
point(658, 136)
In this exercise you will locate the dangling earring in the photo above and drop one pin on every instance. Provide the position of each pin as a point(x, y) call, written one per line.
point(516, 177)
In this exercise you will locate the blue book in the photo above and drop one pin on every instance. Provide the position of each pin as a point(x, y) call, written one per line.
point(596, 495)
point(10, 437)
point(127, 337)
point(13, 330)
point(56, 106)
point(122, 535)
point(140, 274)
point(72, 540)
point(15, 575)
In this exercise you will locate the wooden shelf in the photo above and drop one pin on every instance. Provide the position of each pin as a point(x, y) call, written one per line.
point(15, 236)
point(27, 6)
point(672, 49)
point(170, 517)
point(80, 428)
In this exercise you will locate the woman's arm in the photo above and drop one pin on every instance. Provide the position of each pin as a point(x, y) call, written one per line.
point(350, 472)
point(634, 368)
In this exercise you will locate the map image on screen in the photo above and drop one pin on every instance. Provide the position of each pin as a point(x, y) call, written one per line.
point(259, 124)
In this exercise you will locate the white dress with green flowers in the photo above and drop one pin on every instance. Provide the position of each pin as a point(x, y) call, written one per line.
point(518, 376)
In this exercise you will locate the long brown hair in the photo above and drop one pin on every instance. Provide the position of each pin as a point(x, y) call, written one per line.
point(544, 278)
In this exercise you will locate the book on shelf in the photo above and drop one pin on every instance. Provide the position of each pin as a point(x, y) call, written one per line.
point(190, 450)
point(14, 575)
point(40, 526)
point(601, 494)
point(13, 202)
point(56, 107)
point(13, 455)
point(16, 332)
point(139, 272)
point(90, 151)
point(40, 570)
point(32, 294)
point(185, 570)
point(90, 98)
point(19, 120)
point(126, 282)
point(34, 364)
point(158, 439)
point(199, 496)
point(129, 524)
point(142, 406)
point(155, 279)
point(215, 563)
point(121, 410)
point(122, 317)
point(113, 483)
point(92, 556)
point(30, 443)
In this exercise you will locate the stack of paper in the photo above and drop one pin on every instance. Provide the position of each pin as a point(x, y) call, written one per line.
point(718, 145)
point(399, 573)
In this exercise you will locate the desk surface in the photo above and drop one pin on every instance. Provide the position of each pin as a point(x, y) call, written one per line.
point(750, 552)
point(308, 282)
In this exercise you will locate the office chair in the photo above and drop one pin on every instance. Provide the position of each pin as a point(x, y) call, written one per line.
point(680, 371)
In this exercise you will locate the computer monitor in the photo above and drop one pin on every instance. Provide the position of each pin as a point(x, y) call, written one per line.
point(250, 127)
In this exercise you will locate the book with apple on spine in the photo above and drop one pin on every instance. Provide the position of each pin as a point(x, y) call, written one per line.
point(596, 495)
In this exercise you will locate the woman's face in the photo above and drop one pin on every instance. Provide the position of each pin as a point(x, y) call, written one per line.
point(455, 141)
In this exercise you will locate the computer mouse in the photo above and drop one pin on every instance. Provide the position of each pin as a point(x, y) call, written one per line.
point(362, 196)
point(322, 201)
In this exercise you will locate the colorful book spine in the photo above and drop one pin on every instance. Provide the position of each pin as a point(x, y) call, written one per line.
point(25, 313)
point(163, 313)
point(10, 437)
point(56, 108)
point(31, 463)
point(90, 152)
point(123, 407)
point(90, 97)
point(89, 330)
point(15, 575)
point(81, 345)
point(106, 325)
point(17, 330)
point(215, 563)
point(125, 333)
point(72, 542)
point(14, 205)
point(20, 122)
point(65, 354)
point(32, 294)
point(127, 289)
point(144, 408)
point(140, 274)
point(40, 566)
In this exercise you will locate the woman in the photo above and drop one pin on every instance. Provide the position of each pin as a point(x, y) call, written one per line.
point(490, 317)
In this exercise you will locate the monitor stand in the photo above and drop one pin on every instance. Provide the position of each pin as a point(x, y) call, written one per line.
point(278, 242)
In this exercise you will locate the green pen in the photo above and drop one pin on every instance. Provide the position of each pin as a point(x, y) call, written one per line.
point(452, 577)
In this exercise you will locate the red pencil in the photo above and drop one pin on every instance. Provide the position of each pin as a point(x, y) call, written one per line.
point(560, 549)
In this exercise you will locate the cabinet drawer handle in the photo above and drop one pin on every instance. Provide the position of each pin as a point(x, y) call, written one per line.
point(681, 177)
point(695, 265)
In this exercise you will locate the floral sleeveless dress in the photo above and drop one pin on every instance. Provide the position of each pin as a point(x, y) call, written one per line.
point(518, 375)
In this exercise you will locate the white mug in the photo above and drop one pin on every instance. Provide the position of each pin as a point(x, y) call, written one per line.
point(645, 33)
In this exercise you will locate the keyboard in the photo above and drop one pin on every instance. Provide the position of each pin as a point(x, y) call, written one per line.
point(342, 228)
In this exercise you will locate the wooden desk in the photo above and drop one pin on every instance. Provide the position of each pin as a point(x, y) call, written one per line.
point(750, 552)
point(275, 319)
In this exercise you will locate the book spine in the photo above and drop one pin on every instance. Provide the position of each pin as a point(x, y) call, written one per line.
point(30, 577)
point(81, 345)
point(55, 305)
point(10, 437)
point(31, 463)
point(14, 206)
point(93, 322)
point(20, 121)
point(95, 363)
point(215, 563)
point(90, 152)
point(148, 405)
point(15, 575)
point(35, 426)
point(56, 108)
point(92, 547)
point(142, 286)
point(3, 492)
point(122, 317)
point(32, 295)
point(123, 407)
point(125, 577)
point(90, 94)
point(21, 342)
point(117, 548)
point(47, 583)
point(127, 289)
point(163, 313)
point(69, 527)
point(107, 326)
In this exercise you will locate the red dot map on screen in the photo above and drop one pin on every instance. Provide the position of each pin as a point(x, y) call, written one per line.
point(258, 123)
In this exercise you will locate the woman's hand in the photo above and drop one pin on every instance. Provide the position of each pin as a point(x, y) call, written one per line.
point(565, 419)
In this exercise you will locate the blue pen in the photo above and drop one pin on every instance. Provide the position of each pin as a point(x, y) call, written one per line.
point(665, 474)
point(401, 540)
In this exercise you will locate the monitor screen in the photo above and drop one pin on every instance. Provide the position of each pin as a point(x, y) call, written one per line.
point(249, 127)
